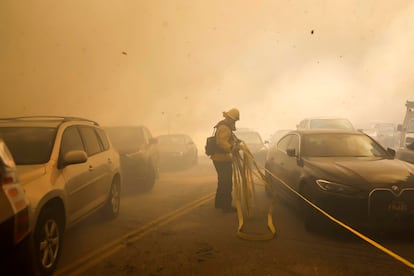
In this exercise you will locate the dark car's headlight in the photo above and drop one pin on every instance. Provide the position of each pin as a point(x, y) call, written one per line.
point(335, 187)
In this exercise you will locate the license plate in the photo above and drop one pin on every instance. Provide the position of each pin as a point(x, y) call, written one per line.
point(397, 206)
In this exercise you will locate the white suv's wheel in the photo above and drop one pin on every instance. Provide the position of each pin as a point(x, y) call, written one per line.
point(48, 241)
point(111, 208)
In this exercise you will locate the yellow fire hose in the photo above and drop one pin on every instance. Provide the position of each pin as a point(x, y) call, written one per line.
point(243, 179)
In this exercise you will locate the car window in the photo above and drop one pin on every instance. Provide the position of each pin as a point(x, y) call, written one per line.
point(340, 145)
point(172, 139)
point(331, 123)
point(90, 140)
point(71, 140)
point(294, 143)
point(126, 139)
point(103, 138)
point(284, 143)
point(146, 135)
point(29, 145)
point(249, 137)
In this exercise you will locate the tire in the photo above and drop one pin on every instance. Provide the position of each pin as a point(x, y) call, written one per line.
point(112, 205)
point(47, 240)
point(149, 180)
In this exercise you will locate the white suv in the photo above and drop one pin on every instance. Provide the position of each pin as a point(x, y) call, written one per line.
point(69, 169)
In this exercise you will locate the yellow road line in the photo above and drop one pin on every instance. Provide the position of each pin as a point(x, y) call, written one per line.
point(96, 256)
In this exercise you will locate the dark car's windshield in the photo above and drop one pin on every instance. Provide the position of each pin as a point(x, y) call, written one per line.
point(172, 139)
point(126, 139)
point(249, 137)
point(341, 145)
point(29, 145)
point(330, 124)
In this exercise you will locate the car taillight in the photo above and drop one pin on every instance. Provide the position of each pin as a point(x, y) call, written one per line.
point(8, 180)
point(21, 225)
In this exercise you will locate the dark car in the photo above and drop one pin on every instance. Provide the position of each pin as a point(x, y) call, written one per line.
point(14, 216)
point(346, 173)
point(254, 142)
point(177, 150)
point(138, 153)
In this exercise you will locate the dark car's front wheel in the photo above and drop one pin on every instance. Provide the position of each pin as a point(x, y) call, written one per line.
point(47, 240)
point(152, 174)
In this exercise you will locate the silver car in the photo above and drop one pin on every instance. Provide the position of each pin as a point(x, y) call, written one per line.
point(69, 170)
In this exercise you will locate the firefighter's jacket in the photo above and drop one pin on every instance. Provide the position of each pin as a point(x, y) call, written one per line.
point(225, 140)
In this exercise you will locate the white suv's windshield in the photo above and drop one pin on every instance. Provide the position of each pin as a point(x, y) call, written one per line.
point(29, 145)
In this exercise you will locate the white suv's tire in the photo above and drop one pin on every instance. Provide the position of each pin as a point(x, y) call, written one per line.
point(47, 239)
point(111, 208)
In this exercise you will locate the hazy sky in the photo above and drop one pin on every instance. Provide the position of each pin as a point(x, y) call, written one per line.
point(176, 65)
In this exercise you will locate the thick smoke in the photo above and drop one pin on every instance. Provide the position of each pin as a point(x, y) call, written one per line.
point(175, 66)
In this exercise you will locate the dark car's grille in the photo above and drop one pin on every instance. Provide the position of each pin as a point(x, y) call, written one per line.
point(385, 203)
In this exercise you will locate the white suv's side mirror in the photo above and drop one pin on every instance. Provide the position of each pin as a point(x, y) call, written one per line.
point(74, 157)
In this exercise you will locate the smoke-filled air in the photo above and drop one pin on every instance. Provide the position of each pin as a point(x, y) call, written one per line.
point(175, 66)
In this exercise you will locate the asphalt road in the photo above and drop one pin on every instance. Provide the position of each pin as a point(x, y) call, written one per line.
point(175, 230)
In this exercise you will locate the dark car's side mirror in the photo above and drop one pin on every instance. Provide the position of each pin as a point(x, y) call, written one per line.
point(153, 141)
point(291, 152)
point(391, 152)
point(399, 127)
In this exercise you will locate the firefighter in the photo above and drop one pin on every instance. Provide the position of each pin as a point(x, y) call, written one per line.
point(227, 143)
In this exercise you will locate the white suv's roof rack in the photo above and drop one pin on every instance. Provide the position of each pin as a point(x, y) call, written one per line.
point(48, 117)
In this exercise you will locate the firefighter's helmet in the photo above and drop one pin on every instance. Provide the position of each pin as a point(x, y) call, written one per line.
point(233, 114)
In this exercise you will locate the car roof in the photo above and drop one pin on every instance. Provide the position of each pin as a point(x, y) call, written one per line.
point(174, 135)
point(325, 131)
point(324, 117)
point(125, 127)
point(41, 121)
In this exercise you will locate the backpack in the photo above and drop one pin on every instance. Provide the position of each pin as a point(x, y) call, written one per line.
point(211, 146)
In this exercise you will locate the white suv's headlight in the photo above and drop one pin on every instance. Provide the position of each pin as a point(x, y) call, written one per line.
point(335, 187)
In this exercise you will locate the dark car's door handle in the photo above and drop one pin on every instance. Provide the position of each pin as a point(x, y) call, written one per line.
point(109, 160)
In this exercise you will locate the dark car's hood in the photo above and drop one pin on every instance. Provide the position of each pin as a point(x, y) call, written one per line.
point(363, 172)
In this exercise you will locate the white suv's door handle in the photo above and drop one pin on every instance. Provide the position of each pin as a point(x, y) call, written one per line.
point(90, 168)
point(109, 160)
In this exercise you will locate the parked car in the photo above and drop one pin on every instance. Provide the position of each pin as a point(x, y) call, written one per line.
point(346, 173)
point(69, 170)
point(139, 155)
point(177, 150)
point(14, 217)
point(255, 143)
point(384, 133)
point(325, 123)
